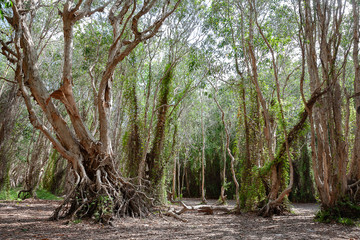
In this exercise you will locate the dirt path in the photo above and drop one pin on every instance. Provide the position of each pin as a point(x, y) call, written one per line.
point(29, 220)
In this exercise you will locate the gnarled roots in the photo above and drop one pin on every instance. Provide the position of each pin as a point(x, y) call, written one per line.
point(269, 209)
point(105, 197)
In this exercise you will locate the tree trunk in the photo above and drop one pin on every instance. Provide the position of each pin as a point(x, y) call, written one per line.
point(232, 162)
point(223, 174)
point(276, 172)
point(98, 187)
point(179, 185)
point(173, 193)
point(303, 189)
point(54, 174)
point(39, 157)
point(134, 142)
point(203, 199)
point(354, 174)
point(154, 159)
point(328, 153)
point(8, 107)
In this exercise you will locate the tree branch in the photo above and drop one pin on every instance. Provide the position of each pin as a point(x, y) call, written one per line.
point(7, 80)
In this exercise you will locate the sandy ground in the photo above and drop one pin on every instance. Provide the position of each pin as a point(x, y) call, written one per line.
point(29, 220)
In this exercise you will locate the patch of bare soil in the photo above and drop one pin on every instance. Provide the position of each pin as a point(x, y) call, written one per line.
point(29, 220)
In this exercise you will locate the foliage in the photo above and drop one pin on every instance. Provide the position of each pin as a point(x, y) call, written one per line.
point(303, 190)
point(160, 88)
point(4, 4)
point(9, 194)
point(103, 207)
point(12, 194)
point(252, 192)
point(46, 195)
point(344, 211)
point(52, 180)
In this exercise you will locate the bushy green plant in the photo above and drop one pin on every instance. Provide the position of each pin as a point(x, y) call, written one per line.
point(344, 212)
point(12, 195)
point(9, 194)
point(44, 194)
point(103, 208)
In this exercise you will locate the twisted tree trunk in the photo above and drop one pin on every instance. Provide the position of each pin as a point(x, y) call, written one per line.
point(98, 188)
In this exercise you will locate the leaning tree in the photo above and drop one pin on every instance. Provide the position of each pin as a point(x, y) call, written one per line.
point(99, 187)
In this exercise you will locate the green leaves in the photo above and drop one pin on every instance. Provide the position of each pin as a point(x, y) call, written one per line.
point(4, 4)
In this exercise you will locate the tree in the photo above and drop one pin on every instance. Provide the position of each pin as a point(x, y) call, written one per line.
point(9, 105)
point(324, 28)
point(354, 175)
point(98, 187)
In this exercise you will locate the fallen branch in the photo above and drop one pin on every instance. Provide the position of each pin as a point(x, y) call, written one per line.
point(172, 213)
point(208, 209)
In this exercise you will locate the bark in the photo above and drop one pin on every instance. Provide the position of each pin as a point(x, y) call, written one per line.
point(39, 157)
point(354, 174)
point(147, 128)
point(98, 186)
point(179, 185)
point(208, 209)
point(328, 153)
point(223, 174)
point(232, 162)
point(8, 107)
point(173, 193)
point(253, 142)
point(274, 197)
point(203, 199)
point(134, 142)
point(145, 153)
point(56, 177)
point(154, 159)
point(269, 128)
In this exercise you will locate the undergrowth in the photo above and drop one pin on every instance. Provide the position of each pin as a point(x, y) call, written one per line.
point(9, 194)
point(344, 212)
point(12, 195)
point(45, 195)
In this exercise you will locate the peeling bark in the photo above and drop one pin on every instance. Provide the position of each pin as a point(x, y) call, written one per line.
point(328, 152)
point(98, 185)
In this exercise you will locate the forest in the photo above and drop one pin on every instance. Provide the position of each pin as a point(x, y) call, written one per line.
point(119, 109)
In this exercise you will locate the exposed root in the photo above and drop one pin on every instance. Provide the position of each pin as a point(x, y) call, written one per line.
point(222, 201)
point(271, 209)
point(107, 197)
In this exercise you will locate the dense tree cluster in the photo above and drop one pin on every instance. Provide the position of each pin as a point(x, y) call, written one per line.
point(123, 105)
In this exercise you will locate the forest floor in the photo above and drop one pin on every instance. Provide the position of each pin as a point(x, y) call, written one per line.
point(29, 220)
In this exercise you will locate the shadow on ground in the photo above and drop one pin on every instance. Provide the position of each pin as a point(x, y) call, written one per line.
point(29, 220)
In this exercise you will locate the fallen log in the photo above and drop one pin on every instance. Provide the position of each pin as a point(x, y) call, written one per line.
point(208, 209)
